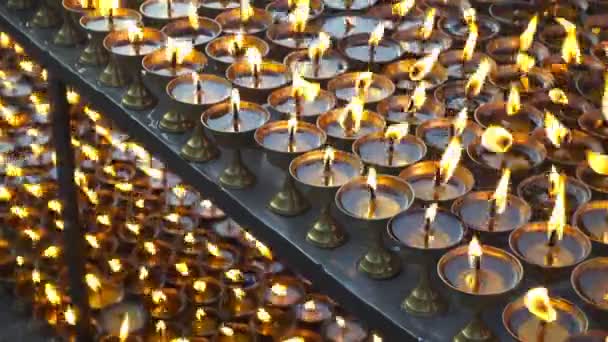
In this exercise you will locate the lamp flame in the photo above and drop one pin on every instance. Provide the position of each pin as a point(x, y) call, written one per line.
point(254, 59)
point(183, 269)
point(92, 282)
point(236, 44)
point(524, 62)
point(69, 315)
point(318, 47)
point(143, 273)
point(134, 33)
point(363, 83)
point(449, 159)
point(53, 204)
point(246, 11)
point(502, 191)
point(279, 289)
point(214, 250)
point(299, 17)
point(340, 322)
point(556, 180)
point(557, 221)
point(328, 156)
point(571, 51)
point(123, 333)
point(402, 7)
point(200, 314)
point(598, 162)
point(226, 331)
point(496, 139)
point(193, 16)
point(556, 131)
point(527, 37)
point(470, 43)
point(158, 297)
point(376, 35)
point(234, 275)
point(431, 212)
point(460, 122)
point(421, 68)
point(478, 78)
point(263, 315)
point(558, 96)
point(537, 301)
point(303, 88)
point(474, 251)
point(115, 265)
point(177, 50)
point(372, 179)
point(310, 305)
point(161, 327)
point(199, 285)
point(105, 7)
point(352, 123)
point(419, 95)
point(513, 101)
point(426, 29)
point(52, 294)
point(396, 132)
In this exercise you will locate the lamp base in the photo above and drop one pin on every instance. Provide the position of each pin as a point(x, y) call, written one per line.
point(112, 75)
point(174, 122)
point(94, 54)
point(137, 96)
point(423, 300)
point(198, 148)
point(18, 4)
point(68, 35)
point(325, 232)
point(45, 17)
point(289, 201)
point(475, 331)
point(379, 263)
point(237, 175)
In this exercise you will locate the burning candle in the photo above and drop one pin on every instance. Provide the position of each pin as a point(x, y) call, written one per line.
point(165, 302)
point(340, 26)
point(440, 181)
point(367, 86)
point(552, 244)
point(512, 114)
point(539, 317)
point(390, 150)
point(590, 218)
point(319, 62)
point(283, 291)
point(437, 133)
point(426, 229)
point(314, 310)
point(294, 33)
point(198, 30)
point(423, 39)
point(480, 270)
point(370, 49)
point(204, 291)
point(205, 322)
point(504, 50)
point(102, 293)
point(246, 19)
point(594, 173)
point(220, 257)
point(253, 74)
point(123, 322)
point(343, 330)
point(234, 332)
point(159, 12)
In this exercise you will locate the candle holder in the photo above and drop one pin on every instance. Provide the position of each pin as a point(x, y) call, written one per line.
point(568, 109)
point(426, 238)
point(234, 332)
point(97, 24)
point(590, 218)
point(165, 302)
point(283, 292)
point(529, 243)
point(593, 179)
point(279, 9)
point(330, 65)
point(390, 151)
point(453, 95)
point(553, 35)
point(457, 28)
point(161, 66)
point(371, 206)
point(368, 51)
point(421, 176)
point(70, 33)
point(213, 8)
point(242, 296)
point(227, 49)
point(232, 22)
point(513, 17)
point(460, 68)
point(204, 291)
point(530, 82)
point(346, 86)
point(479, 277)
point(289, 36)
point(321, 183)
point(314, 311)
point(594, 123)
point(205, 323)
point(349, 5)
point(341, 26)
point(129, 51)
point(344, 329)
point(46, 15)
point(535, 191)
point(300, 334)
point(161, 331)
point(566, 72)
point(437, 133)
point(288, 100)
point(220, 257)
point(525, 154)
point(523, 325)
point(191, 95)
point(516, 213)
point(219, 120)
point(396, 16)
point(588, 280)
point(125, 319)
point(414, 43)
point(257, 79)
point(283, 141)
point(269, 323)
point(399, 73)
point(157, 13)
point(571, 152)
point(199, 31)
point(344, 125)
point(525, 120)
point(400, 108)
point(504, 50)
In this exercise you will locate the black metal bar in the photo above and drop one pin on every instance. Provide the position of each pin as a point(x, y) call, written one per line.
point(73, 236)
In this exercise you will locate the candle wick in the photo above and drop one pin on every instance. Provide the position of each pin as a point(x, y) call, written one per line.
point(391, 151)
point(111, 18)
point(540, 334)
point(292, 138)
point(372, 56)
point(552, 238)
point(169, 8)
point(235, 117)
point(256, 75)
point(327, 172)
point(299, 104)
point(492, 215)
point(174, 61)
point(198, 99)
point(372, 201)
point(316, 64)
point(427, 232)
